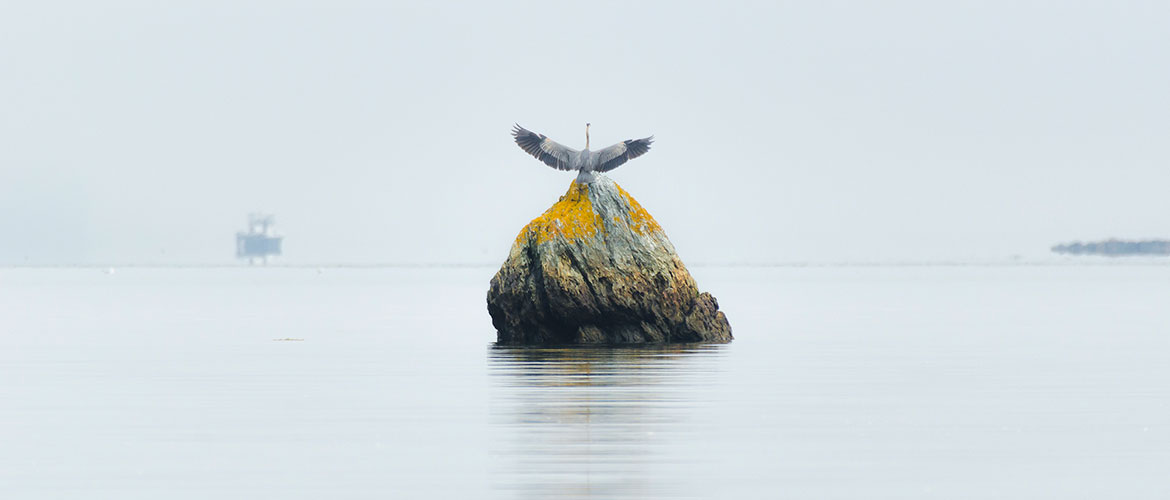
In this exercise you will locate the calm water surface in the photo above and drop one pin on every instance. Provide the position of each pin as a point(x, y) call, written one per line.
point(844, 382)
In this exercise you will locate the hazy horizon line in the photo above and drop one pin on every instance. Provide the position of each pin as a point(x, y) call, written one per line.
point(1058, 261)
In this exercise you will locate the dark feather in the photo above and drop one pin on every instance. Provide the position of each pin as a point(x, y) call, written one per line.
point(618, 154)
point(544, 149)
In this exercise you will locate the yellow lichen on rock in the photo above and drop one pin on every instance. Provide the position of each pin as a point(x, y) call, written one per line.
point(596, 268)
point(572, 217)
point(640, 219)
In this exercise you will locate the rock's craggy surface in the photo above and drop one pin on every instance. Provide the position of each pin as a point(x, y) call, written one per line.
point(597, 269)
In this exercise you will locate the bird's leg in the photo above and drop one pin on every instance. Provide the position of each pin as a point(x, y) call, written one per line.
point(585, 177)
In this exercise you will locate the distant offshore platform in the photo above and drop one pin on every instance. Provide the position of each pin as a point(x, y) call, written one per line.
point(259, 242)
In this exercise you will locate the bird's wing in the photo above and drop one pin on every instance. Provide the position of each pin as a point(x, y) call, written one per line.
point(614, 156)
point(544, 149)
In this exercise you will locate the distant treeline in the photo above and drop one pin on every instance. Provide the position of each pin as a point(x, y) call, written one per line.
point(1115, 248)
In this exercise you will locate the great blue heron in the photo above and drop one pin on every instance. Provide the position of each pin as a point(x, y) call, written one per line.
point(584, 161)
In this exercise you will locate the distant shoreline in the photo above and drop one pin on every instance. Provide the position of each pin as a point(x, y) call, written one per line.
point(1116, 248)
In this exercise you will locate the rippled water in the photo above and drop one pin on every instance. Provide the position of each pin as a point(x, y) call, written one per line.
point(844, 382)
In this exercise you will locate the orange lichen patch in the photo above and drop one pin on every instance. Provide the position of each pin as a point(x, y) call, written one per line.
point(572, 218)
point(640, 219)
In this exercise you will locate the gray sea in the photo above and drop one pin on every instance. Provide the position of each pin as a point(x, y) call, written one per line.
point(844, 382)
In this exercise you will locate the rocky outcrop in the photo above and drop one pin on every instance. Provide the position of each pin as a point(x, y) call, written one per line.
point(597, 269)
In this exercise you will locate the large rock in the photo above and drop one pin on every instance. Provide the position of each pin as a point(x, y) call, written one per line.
point(597, 269)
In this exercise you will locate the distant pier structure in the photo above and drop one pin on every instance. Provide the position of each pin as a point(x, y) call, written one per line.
point(259, 242)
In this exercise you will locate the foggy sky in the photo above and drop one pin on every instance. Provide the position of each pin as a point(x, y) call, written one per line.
point(786, 131)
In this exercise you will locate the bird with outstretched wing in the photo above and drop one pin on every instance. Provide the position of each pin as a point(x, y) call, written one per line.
point(585, 161)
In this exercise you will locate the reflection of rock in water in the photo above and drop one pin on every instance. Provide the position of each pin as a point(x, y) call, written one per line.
point(585, 422)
